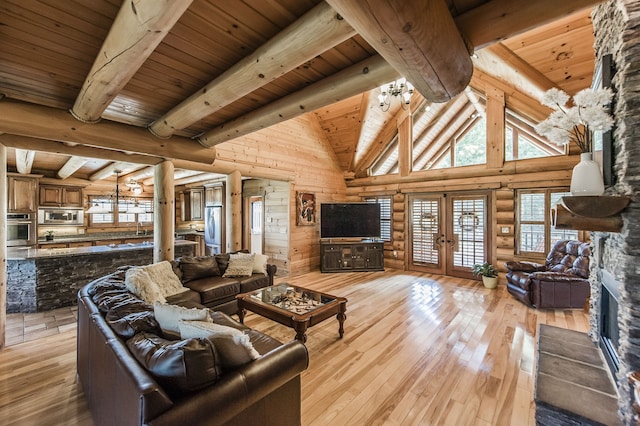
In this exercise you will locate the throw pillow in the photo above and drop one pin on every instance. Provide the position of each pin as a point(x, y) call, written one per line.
point(260, 264)
point(139, 282)
point(168, 316)
point(179, 366)
point(194, 268)
point(240, 265)
point(162, 274)
point(232, 345)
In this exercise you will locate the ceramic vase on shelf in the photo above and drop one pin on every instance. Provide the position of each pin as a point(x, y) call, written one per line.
point(587, 177)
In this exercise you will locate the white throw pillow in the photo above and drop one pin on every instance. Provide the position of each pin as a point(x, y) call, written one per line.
point(140, 283)
point(233, 346)
point(162, 274)
point(260, 264)
point(240, 265)
point(168, 316)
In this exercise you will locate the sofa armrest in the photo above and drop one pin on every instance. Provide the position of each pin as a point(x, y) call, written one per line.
point(524, 266)
point(557, 277)
point(271, 272)
point(239, 389)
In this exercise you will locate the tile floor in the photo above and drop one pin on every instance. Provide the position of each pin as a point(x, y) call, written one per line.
point(26, 327)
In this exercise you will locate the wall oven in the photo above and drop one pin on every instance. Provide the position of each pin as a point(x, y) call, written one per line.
point(21, 229)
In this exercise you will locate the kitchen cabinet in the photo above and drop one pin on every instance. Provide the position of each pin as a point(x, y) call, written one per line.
point(22, 194)
point(351, 257)
point(193, 204)
point(213, 196)
point(60, 196)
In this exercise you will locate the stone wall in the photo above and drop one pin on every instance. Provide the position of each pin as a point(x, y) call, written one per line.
point(46, 283)
point(617, 31)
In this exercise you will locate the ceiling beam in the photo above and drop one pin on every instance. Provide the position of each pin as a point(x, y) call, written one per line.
point(120, 167)
point(42, 145)
point(358, 78)
point(177, 174)
point(24, 160)
point(499, 61)
point(314, 33)
point(497, 20)
point(418, 38)
point(51, 123)
point(71, 166)
point(137, 30)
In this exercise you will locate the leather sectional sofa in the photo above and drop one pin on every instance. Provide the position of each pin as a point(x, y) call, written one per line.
point(204, 276)
point(562, 282)
point(122, 390)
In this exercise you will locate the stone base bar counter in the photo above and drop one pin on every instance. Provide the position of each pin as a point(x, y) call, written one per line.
point(44, 279)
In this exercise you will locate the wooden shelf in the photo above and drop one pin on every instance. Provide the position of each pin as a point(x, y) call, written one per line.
point(595, 206)
point(590, 213)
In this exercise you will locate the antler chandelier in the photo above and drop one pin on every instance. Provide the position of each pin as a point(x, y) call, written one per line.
point(400, 88)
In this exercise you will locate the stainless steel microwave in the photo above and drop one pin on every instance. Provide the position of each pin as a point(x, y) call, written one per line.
point(56, 216)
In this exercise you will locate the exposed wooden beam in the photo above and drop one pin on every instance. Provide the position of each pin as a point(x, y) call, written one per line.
point(110, 169)
point(26, 142)
point(51, 123)
point(314, 33)
point(500, 19)
point(71, 166)
point(24, 160)
point(418, 38)
point(177, 175)
point(358, 78)
point(138, 28)
point(201, 177)
point(499, 61)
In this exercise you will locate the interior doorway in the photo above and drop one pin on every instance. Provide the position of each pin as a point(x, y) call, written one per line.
point(254, 221)
point(448, 232)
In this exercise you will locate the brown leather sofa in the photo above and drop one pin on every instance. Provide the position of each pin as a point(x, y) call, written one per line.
point(562, 282)
point(204, 276)
point(120, 391)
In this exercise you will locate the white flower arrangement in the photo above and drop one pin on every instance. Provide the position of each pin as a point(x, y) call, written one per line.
point(576, 123)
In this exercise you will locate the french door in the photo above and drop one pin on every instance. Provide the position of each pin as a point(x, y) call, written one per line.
point(448, 233)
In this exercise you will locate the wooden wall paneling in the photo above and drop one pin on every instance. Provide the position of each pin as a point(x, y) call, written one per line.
point(495, 128)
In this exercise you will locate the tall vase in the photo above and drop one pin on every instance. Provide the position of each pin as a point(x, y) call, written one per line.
point(587, 177)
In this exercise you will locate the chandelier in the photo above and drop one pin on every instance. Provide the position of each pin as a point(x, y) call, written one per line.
point(134, 187)
point(400, 88)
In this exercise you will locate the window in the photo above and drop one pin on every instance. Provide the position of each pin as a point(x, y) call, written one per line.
point(256, 216)
point(129, 211)
point(522, 142)
point(535, 234)
point(471, 145)
point(385, 215)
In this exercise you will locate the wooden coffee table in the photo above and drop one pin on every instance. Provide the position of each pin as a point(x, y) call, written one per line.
point(295, 307)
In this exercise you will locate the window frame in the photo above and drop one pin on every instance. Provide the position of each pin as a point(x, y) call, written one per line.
point(115, 214)
point(582, 235)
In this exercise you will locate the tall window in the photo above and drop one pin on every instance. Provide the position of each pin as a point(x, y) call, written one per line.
point(385, 215)
point(471, 145)
point(535, 233)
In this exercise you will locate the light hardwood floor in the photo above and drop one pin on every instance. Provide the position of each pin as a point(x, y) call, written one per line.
point(418, 349)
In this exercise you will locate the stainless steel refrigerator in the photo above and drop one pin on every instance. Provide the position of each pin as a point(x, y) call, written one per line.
point(213, 229)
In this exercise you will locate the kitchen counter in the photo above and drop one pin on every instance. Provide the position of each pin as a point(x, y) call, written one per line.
point(44, 279)
point(21, 253)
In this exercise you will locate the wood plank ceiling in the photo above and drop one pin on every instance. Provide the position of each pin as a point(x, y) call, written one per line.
point(192, 69)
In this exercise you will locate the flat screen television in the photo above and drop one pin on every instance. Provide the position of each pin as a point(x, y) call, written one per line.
point(350, 220)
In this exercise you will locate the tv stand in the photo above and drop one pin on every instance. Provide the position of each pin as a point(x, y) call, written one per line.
point(351, 256)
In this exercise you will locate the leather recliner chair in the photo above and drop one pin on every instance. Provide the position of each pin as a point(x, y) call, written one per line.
point(562, 282)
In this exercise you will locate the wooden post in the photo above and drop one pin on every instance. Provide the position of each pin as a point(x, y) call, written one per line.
point(3, 247)
point(234, 211)
point(164, 212)
point(405, 144)
point(495, 128)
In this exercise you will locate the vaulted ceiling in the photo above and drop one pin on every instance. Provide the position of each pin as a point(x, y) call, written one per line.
point(202, 73)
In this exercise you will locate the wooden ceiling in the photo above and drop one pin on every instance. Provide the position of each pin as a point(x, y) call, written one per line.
point(203, 73)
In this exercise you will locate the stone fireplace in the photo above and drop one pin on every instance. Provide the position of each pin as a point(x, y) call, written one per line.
point(615, 270)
